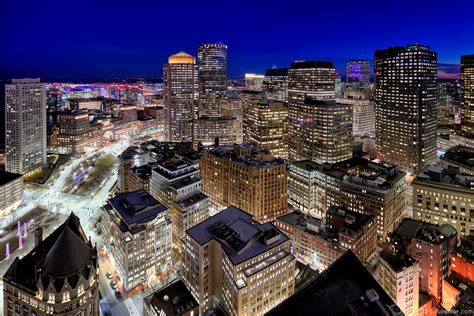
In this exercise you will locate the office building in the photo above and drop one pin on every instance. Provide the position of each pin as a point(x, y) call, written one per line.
point(444, 195)
point(131, 158)
point(358, 72)
point(11, 191)
point(405, 105)
point(172, 300)
point(275, 84)
point(245, 176)
point(320, 243)
point(430, 245)
point(25, 126)
point(212, 61)
point(461, 259)
point(460, 157)
point(467, 88)
point(363, 116)
point(179, 94)
point(266, 123)
point(209, 131)
point(238, 263)
point(254, 81)
point(399, 276)
point(345, 288)
point(137, 237)
point(58, 277)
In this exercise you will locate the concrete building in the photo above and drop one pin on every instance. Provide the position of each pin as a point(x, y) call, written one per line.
point(58, 277)
point(245, 176)
point(345, 288)
point(137, 237)
point(399, 276)
point(275, 84)
point(405, 99)
point(266, 123)
point(320, 243)
point(11, 191)
point(461, 260)
point(363, 117)
point(207, 131)
point(444, 195)
point(238, 263)
point(131, 158)
point(179, 93)
point(25, 126)
point(467, 88)
point(461, 157)
point(306, 80)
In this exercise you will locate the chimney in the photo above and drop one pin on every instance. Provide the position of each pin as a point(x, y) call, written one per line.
point(38, 236)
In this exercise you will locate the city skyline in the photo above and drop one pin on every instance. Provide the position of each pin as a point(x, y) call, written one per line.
point(105, 47)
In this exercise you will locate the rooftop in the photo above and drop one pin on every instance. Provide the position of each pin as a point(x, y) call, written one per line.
point(6, 177)
point(446, 176)
point(174, 299)
point(196, 198)
point(303, 64)
point(136, 207)
point(398, 260)
point(276, 72)
point(345, 288)
point(460, 154)
point(64, 255)
point(240, 236)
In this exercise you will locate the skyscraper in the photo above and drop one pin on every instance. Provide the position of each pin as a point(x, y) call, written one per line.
point(25, 120)
point(180, 91)
point(405, 97)
point(212, 60)
point(467, 87)
point(307, 80)
point(358, 71)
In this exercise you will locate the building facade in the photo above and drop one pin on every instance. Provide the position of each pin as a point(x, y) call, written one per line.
point(275, 84)
point(25, 126)
point(137, 237)
point(11, 191)
point(58, 277)
point(232, 260)
point(363, 116)
point(358, 72)
point(266, 123)
point(179, 94)
point(405, 103)
point(467, 88)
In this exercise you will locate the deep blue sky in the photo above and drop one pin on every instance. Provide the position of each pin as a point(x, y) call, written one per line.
point(103, 38)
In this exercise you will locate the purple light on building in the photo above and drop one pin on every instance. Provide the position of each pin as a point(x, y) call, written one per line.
point(7, 250)
point(358, 71)
point(20, 241)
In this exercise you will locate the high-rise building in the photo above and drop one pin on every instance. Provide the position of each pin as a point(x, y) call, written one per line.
point(137, 235)
point(444, 195)
point(307, 81)
point(179, 94)
point(275, 84)
point(248, 177)
point(266, 123)
point(405, 99)
point(254, 81)
point(238, 263)
point(25, 130)
point(363, 114)
point(212, 61)
point(130, 159)
point(58, 277)
point(207, 131)
point(399, 276)
point(467, 88)
point(358, 71)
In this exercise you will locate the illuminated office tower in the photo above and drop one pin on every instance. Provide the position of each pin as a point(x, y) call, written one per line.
point(405, 99)
point(266, 123)
point(179, 93)
point(254, 81)
point(275, 84)
point(211, 131)
point(307, 80)
point(467, 87)
point(235, 262)
point(212, 60)
point(25, 130)
point(363, 116)
point(358, 71)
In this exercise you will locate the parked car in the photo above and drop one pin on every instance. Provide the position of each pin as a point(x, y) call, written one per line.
point(118, 294)
point(113, 285)
point(108, 275)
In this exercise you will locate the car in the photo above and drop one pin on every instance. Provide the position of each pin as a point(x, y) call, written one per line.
point(113, 285)
point(108, 275)
point(118, 294)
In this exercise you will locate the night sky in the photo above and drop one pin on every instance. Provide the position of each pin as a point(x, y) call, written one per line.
point(102, 38)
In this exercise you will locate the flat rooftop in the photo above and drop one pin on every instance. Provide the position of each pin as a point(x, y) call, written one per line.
point(341, 289)
point(174, 299)
point(434, 234)
point(463, 155)
point(136, 207)
point(6, 177)
point(196, 198)
point(241, 237)
point(447, 177)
